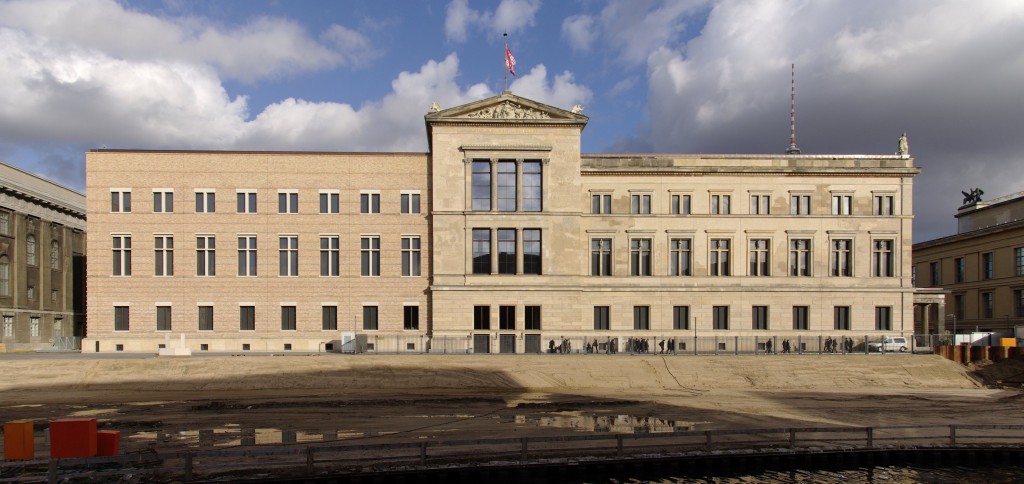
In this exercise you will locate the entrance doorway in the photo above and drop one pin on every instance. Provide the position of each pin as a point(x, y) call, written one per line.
point(481, 343)
point(507, 343)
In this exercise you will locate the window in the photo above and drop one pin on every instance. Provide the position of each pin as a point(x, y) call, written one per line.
point(5, 276)
point(206, 263)
point(883, 205)
point(34, 326)
point(531, 318)
point(641, 317)
point(330, 255)
point(679, 257)
point(247, 318)
point(842, 258)
point(247, 255)
point(163, 252)
point(601, 257)
point(987, 305)
point(842, 318)
point(120, 319)
point(120, 200)
point(883, 318)
point(759, 317)
point(882, 262)
point(411, 256)
point(288, 318)
point(506, 251)
point(410, 317)
point(481, 251)
point(507, 186)
point(8, 326)
point(370, 256)
point(533, 189)
point(959, 306)
point(959, 269)
point(329, 318)
point(163, 201)
point(719, 257)
point(842, 204)
point(206, 201)
point(531, 251)
point(681, 317)
point(801, 322)
point(680, 205)
point(934, 268)
point(1018, 257)
point(720, 204)
point(759, 265)
point(481, 185)
point(481, 317)
point(369, 203)
point(640, 257)
point(760, 204)
point(246, 201)
point(163, 318)
point(601, 203)
point(31, 292)
point(720, 317)
point(5, 223)
point(987, 266)
point(30, 251)
point(800, 204)
point(54, 255)
point(122, 251)
point(640, 204)
point(288, 255)
point(410, 202)
point(1018, 302)
point(507, 318)
point(206, 318)
point(800, 257)
point(287, 201)
point(601, 320)
point(330, 201)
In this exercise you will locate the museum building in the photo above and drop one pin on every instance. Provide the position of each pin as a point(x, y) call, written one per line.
point(503, 237)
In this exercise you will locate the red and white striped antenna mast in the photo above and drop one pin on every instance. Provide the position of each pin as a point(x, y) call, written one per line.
point(792, 150)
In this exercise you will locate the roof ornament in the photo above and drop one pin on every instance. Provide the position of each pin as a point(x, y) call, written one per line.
point(904, 148)
point(577, 109)
point(435, 107)
point(972, 197)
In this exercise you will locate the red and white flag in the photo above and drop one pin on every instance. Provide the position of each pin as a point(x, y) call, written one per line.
point(510, 61)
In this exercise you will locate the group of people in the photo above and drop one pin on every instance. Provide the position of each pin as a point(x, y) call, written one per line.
point(564, 347)
point(786, 347)
point(832, 345)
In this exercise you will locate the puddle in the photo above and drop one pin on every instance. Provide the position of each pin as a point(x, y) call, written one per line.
point(623, 424)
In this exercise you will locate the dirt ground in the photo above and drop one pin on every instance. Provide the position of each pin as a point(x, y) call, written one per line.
point(163, 402)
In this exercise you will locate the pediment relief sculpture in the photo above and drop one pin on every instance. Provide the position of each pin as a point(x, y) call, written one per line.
point(508, 110)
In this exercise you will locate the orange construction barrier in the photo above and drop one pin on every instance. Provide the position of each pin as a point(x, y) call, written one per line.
point(1007, 341)
point(19, 442)
point(72, 437)
point(108, 442)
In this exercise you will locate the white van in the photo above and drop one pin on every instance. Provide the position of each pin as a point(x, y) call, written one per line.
point(890, 343)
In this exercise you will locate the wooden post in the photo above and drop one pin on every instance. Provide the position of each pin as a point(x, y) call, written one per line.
point(952, 435)
point(871, 436)
point(423, 453)
point(188, 466)
point(792, 438)
point(707, 439)
point(524, 440)
point(310, 459)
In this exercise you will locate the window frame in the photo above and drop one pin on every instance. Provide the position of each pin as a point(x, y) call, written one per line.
point(602, 318)
point(412, 256)
point(330, 201)
point(369, 255)
point(163, 200)
point(163, 255)
point(206, 200)
point(288, 256)
point(409, 202)
point(120, 200)
point(330, 255)
point(288, 201)
point(206, 255)
point(246, 201)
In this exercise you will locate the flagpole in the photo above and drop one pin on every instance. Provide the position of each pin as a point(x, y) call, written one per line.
point(504, 70)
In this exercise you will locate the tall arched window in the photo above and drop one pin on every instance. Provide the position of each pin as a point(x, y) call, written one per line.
point(5, 276)
point(30, 249)
point(55, 255)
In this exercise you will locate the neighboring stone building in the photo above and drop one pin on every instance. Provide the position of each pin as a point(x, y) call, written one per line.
point(501, 238)
point(981, 268)
point(42, 262)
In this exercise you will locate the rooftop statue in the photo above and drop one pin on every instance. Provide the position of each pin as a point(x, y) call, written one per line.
point(972, 197)
point(904, 148)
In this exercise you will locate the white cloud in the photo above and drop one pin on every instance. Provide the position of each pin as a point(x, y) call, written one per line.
point(457, 20)
point(563, 93)
point(510, 16)
point(515, 15)
point(580, 31)
point(635, 28)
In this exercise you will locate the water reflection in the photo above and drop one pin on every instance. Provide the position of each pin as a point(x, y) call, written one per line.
point(623, 424)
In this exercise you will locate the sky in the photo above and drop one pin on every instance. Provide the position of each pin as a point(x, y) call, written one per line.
point(675, 76)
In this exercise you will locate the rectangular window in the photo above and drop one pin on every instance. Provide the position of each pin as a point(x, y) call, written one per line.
point(720, 317)
point(122, 252)
point(800, 257)
point(330, 202)
point(959, 306)
point(247, 318)
point(410, 202)
point(680, 205)
point(719, 257)
point(205, 318)
point(531, 318)
point(206, 201)
point(163, 318)
point(369, 252)
point(842, 204)
point(120, 318)
point(681, 317)
point(883, 205)
point(481, 318)
point(287, 318)
point(8, 326)
point(163, 255)
point(533, 190)
point(760, 204)
point(679, 257)
point(288, 255)
point(641, 317)
point(507, 186)
point(759, 317)
point(759, 261)
point(247, 255)
point(163, 201)
point(330, 255)
point(601, 203)
point(800, 204)
point(720, 204)
point(410, 256)
point(531, 251)
point(506, 251)
point(481, 185)
point(507, 318)
point(1018, 258)
point(287, 201)
point(882, 259)
point(481, 251)
point(206, 260)
point(121, 201)
point(329, 318)
point(33, 328)
point(640, 257)
point(936, 274)
point(601, 320)
point(883, 318)
point(640, 204)
point(842, 318)
point(370, 318)
point(801, 321)
point(601, 257)
point(246, 202)
point(987, 266)
point(369, 203)
point(842, 258)
point(987, 305)
point(411, 317)
point(1018, 303)
point(5, 223)
point(959, 269)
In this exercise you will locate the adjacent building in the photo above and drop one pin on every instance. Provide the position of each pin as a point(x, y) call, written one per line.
point(503, 237)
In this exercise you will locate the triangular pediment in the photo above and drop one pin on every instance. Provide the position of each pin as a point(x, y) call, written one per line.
point(505, 107)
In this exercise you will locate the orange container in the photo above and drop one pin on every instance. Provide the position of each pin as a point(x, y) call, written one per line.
point(72, 437)
point(19, 443)
point(108, 442)
point(1008, 342)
